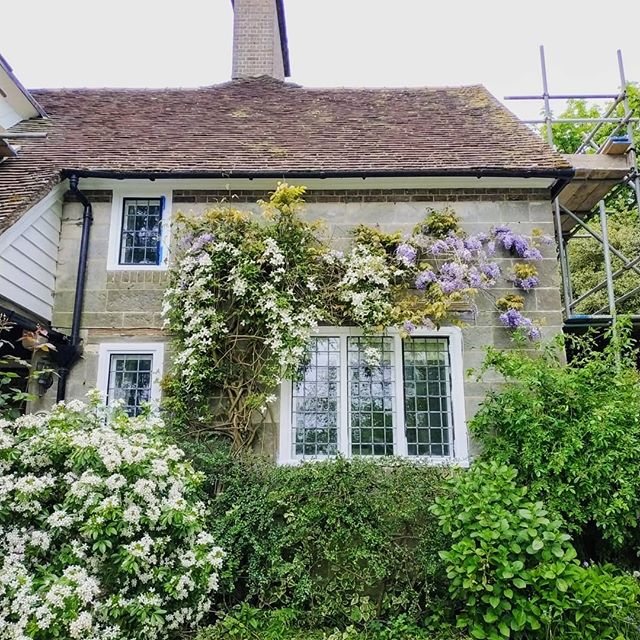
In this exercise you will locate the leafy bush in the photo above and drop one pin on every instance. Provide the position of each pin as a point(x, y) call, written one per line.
point(16, 371)
point(340, 542)
point(247, 623)
point(573, 433)
point(103, 532)
point(515, 573)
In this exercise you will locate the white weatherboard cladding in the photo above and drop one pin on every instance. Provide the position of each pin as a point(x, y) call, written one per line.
point(8, 115)
point(29, 255)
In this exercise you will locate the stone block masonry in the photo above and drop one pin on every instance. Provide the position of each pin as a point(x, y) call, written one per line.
point(125, 306)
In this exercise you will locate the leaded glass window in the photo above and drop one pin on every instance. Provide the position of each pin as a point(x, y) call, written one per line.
point(371, 396)
point(315, 400)
point(427, 396)
point(140, 238)
point(130, 381)
point(377, 396)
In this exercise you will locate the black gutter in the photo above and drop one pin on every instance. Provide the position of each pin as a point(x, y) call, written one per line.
point(75, 348)
point(559, 186)
point(558, 174)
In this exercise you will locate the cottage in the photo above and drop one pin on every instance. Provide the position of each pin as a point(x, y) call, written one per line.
point(91, 179)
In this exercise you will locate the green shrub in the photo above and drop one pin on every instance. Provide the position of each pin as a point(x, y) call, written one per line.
point(247, 623)
point(573, 433)
point(102, 527)
point(341, 542)
point(514, 572)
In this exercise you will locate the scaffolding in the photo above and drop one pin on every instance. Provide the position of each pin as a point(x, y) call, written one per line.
point(602, 167)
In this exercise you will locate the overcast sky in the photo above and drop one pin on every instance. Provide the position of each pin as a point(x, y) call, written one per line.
point(156, 43)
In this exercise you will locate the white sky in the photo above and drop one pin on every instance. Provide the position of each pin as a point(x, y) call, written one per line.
point(156, 43)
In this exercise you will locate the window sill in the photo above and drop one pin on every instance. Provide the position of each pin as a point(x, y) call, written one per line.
point(137, 267)
point(426, 461)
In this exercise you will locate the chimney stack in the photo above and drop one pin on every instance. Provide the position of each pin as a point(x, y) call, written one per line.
point(259, 39)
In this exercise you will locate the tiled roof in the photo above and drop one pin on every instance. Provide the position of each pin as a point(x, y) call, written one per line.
point(263, 127)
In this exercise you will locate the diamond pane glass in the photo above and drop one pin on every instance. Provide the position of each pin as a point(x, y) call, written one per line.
point(140, 239)
point(130, 381)
point(427, 397)
point(371, 396)
point(315, 400)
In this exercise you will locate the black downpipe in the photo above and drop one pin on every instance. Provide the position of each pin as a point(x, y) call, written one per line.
point(74, 350)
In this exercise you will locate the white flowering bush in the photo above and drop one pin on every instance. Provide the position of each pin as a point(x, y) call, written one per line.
point(246, 292)
point(103, 532)
point(241, 304)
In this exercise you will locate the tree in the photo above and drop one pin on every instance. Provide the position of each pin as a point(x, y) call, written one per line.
point(586, 257)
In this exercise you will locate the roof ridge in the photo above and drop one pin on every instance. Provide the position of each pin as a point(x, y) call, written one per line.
point(260, 80)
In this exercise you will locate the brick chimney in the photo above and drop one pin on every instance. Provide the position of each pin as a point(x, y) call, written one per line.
point(259, 39)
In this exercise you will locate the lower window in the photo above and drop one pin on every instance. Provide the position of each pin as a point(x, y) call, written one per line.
point(129, 373)
point(380, 396)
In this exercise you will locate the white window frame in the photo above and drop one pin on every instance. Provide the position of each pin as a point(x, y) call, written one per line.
point(460, 449)
point(146, 190)
point(153, 349)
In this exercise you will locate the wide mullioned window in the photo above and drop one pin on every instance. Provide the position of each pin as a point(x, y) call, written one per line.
point(376, 396)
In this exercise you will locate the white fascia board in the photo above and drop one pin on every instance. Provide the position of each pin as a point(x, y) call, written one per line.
point(259, 184)
point(16, 97)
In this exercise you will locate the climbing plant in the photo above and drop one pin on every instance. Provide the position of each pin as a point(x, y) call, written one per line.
point(246, 291)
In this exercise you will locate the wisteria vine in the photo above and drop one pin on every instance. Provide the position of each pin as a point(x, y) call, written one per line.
point(245, 294)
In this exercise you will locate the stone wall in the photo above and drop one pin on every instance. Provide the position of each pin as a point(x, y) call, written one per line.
point(125, 305)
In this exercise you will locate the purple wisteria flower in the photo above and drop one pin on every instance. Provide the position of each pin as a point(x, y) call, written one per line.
point(528, 283)
point(424, 278)
point(451, 277)
point(438, 247)
point(532, 254)
point(475, 278)
point(516, 243)
point(409, 327)
point(513, 319)
point(474, 243)
point(201, 241)
point(491, 270)
point(406, 254)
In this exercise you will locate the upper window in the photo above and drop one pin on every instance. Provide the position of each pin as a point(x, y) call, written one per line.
point(140, 235)
point(377, 396)
point(129, 373)
point(140, 227)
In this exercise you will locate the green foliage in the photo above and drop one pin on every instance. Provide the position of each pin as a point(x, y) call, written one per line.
point(573, 433)
point(247, 623)
point(12, 397)
point(515, 573)
point(587, 262)
point(440, 224)
point(585, 255)
point(511, 301)
point(342, 542)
